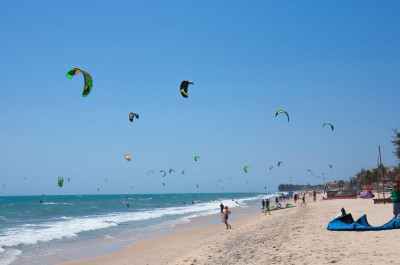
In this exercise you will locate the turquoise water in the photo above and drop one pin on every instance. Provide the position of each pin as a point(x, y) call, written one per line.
point(46, 229)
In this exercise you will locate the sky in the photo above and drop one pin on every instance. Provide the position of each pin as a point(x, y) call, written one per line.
point(321, 61)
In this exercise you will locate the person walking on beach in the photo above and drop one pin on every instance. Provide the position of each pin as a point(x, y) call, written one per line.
point(395, 196)
point(267, 207)
point(303, 200)
point(226, 216)
point(276, 200)
point(314, 196)
point(263, 204)
point(222, 207)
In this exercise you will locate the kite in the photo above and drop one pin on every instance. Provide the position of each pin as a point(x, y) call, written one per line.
point(171, 170)
point(150, 172)
point(309, 170)
point(165, 173)
point(163, 184)
point(246, 168)
point(279, 163)
point(127, 157)
point(330, 124)
point(330, 166)
point(184, 88)
point(60, 181)
point(183, 171)
point(196, 158)
point(88, 80)
point(282, 111)
point(133, 115)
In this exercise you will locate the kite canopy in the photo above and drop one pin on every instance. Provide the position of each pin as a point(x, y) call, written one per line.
point(60, 181)
point(196, 158)
point(282, 111)
point(171, 170)
point(184, 88)
point(279, 163)
point(127, 157)
point(329, 165)
point(133, 115)
point(347, 223)
point(330, 124)
point(163, 171)
point(88, 80)
point(246, 168)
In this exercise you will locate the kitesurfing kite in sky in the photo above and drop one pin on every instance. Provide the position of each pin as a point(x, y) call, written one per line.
point(60, 181)
point(196, 158)
point(282, 111)
point(88, 80)
point(127, 157)
point(163, 171)
point(279, 163)
point(184, 88)
point(133, 115)
point(330, 124)
point(246, 168)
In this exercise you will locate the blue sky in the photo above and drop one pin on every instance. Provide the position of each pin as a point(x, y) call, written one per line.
point(321, 61)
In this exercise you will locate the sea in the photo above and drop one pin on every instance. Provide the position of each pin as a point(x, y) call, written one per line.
point(50, 229)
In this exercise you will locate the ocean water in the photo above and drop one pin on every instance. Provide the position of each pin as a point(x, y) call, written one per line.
point(49, 229)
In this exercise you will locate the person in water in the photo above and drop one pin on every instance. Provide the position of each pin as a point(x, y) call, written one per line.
point(226, 216)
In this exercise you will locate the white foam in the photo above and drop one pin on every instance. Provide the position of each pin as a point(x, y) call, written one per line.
point(67, 227)
point(7, 256)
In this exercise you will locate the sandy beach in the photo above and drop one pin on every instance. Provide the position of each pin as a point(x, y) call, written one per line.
point(292, 236)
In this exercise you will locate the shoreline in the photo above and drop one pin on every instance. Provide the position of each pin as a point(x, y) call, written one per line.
point(296, 235)
point(114, 238)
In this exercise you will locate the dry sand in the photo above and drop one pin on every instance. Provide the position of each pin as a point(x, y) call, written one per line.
point(291, 236)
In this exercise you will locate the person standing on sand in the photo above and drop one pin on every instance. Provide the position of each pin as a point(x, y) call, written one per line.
point(395, 196)
point(314, 196)
point(303, 200)
point(226, 216)
point(263, 204)
point(267, 207)
point(222, 207)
